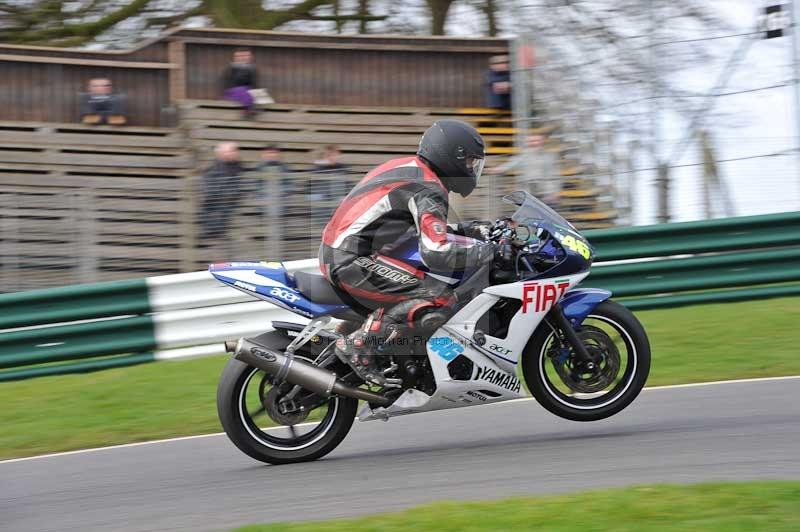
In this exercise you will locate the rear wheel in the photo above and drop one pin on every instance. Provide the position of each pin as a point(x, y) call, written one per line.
point(279, 424)
point(620, 353)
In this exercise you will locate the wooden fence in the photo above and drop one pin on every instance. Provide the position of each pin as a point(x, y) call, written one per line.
point(85, 203)
point(41, 84)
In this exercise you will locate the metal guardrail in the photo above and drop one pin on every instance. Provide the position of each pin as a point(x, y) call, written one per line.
point(91, 327)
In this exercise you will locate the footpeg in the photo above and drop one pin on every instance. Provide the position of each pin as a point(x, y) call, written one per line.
point(394, 383)
point(380, 380)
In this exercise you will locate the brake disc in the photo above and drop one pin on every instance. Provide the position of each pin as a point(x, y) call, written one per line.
point(271, 402)
point(605, 356)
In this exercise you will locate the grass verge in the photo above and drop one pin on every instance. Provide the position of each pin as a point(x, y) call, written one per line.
point(166, 399)
point(729, 507)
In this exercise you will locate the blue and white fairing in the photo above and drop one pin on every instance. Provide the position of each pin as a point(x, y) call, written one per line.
point(271, 282)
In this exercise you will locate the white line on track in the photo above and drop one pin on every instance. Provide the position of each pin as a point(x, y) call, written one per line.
point(200, 436)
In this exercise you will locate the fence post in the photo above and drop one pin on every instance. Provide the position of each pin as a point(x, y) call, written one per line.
point(187, 218)
point(662, 184)
point(176, 52)
point(9, 226)
point(273, 221)
point(83, 204)
point(187, 221)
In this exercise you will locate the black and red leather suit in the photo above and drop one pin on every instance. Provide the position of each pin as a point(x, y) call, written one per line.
point(401, 196)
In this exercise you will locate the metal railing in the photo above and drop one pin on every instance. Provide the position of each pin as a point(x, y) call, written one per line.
point(549, 97)
point(83, 230)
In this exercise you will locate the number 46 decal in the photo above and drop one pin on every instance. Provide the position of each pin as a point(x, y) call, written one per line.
point(445, 347)
point(577, 245)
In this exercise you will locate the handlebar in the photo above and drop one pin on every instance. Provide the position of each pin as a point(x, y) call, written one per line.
point(502, 230)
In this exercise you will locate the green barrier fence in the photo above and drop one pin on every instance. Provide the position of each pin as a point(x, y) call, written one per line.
point(73, 303)
point(722, 235)
point(86, 366)
point(698, 273)
point(669, 265)
point(720, 296)
point(76, 341)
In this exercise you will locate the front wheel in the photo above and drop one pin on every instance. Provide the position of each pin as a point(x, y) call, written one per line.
point(620, 353)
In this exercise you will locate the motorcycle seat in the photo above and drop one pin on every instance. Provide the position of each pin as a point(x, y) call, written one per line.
point(318, 289)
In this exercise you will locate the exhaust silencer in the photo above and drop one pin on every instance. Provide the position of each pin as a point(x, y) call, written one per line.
point(298, 371)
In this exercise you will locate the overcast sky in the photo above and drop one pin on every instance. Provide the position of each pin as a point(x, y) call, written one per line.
point(749, 124)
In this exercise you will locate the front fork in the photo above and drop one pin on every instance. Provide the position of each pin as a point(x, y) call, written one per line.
point(562, 323)
point(570, 312)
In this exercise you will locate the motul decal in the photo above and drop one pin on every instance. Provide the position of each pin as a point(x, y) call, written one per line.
point(476, 395)
point(540, 297)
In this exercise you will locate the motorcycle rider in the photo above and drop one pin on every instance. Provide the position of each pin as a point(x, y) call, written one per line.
point(402, 196)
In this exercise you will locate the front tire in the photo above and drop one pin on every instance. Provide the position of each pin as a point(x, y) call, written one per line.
point(262, 444)
point(571, 392)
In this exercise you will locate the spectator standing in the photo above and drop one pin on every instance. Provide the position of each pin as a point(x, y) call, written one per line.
point(240, 83)
point(273, 185)
point(273, 168)
point(100, 105)
point(221, 190)
point(498, 83)
point(537, 169)
point(325, 193)
point(330, 162)
point(274, 192)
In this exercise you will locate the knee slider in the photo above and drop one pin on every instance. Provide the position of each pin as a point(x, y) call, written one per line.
point(418, 314)
point(432, 319)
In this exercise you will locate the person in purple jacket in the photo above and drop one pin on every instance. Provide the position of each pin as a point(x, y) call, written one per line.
point(240, 79)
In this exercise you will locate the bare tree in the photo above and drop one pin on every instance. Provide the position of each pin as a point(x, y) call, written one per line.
point(364, 12)
point(626, 55)
point(79, 22)
point(490, 9)
point(438, 10)
point(71, 23)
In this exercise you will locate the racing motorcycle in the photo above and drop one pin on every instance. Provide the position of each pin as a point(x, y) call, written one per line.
point(286, 397)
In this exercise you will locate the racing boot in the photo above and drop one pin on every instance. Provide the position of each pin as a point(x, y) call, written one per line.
point(361, 350)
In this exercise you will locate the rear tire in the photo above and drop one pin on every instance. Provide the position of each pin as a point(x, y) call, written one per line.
point(256, 443)
point(537, 359)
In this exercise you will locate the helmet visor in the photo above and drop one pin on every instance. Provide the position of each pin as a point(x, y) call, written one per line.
point(476, 165)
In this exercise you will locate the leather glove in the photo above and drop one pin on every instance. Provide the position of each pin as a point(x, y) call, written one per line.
point(478, 229)
point(486, 252)
point(505, 256)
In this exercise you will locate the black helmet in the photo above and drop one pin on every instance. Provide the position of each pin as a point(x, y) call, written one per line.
point(455, 150)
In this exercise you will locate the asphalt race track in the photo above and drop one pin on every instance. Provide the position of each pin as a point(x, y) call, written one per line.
point(733, 431)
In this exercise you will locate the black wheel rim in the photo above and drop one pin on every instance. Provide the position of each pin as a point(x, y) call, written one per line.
point(292, 437)
point(613, 354)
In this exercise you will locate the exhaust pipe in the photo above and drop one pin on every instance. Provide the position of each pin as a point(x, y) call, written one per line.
point(297, 371)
